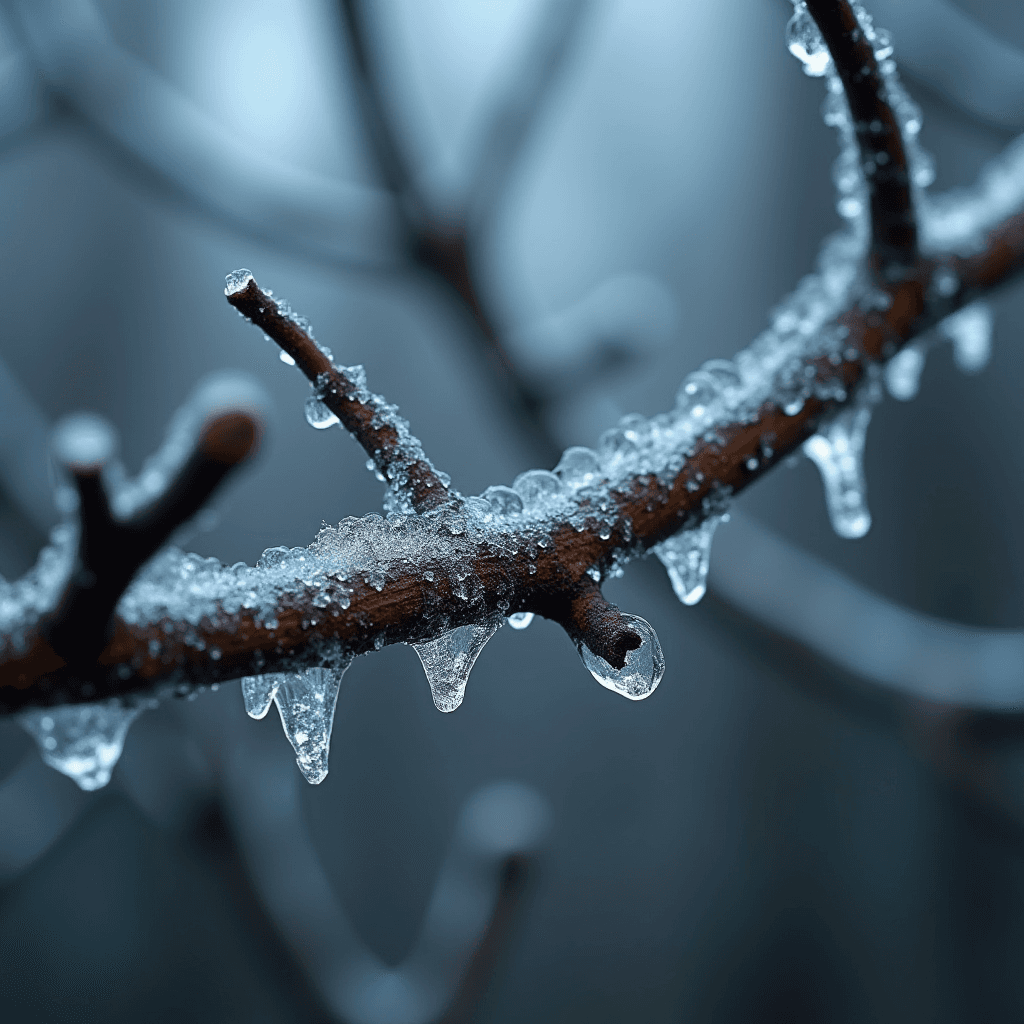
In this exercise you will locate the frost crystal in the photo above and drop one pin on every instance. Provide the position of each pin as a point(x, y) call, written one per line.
point(970, 331)
point(318, 415)
point(237, 281)
point(687, 557)
point(448, 660)
point(520, 620)
point(903, 372)
point(838, 452)
point(83, 741)
point(306, 702)
point(645, 665)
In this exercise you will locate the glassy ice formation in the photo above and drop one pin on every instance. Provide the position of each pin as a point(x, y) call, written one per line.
point(448, 660)
point(687, 557)
point(83, 741)
point(645, 665)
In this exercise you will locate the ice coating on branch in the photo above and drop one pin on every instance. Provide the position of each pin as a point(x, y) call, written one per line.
point(645, 665)
point(806, 44)
point(448, 660)
point(970, 331)
point(903, 372)
point(318, 415)
point(838, 452)
point(237, 281)
point(82, 741)
point(305, 701)
point(520, 620)
point(687, 557)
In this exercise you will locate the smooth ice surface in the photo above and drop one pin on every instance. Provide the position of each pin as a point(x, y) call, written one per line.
point(838, 452)
point(448, 660)
point(306, 703)
point(644, 667)
point(903, 372)
point(970, 331)
point(687, 557)
point(520, 620)
point(83, 741)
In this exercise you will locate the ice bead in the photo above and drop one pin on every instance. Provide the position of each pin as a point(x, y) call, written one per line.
point(83, 741)
point(970, 331)
point(579, 467)
point(237, 281)
point(504, 500)
point(318, 415)
point(305, 701)
point(697, 397)
point(687, 556)
point(448, 660)
point(903, 372)
point(540, 489)
point(645, 665)
point(520, 620)
point(838, 452)
point(806, 44)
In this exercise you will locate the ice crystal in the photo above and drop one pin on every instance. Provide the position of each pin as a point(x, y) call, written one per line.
point(644, 667)
point(448, 660)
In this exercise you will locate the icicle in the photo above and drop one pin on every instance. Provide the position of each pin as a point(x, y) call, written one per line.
point(306, 702)
point(838, 452)
point(258, 692)
point(318, 415)
point(903, 372)
point(687, 556)
point(83, 741)
point(520, 620)
point(645, 665)
point(970, 331)
point(448, 660)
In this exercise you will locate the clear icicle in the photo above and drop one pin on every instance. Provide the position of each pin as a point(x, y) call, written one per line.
point(687, 556)
point(258, 692)
point(903, 372)
point(318, 415)
point(645, 665)
point(448, 660)
point(838, 452)
point(970, 331)
point(520, 620)
point(83, 741)
point(306, 702)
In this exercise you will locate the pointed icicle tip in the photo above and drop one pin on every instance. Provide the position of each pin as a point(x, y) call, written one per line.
point(838, 452)
point(258, 692)
point(645, 665)
point(82, 741)
point(448, 660)
point(305, 701)
point(687, 557)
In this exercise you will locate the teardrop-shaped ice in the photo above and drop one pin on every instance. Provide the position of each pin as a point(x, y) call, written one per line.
point(805, 43)
point(687, 556)
point(504, 500)
point(83, 741)
point(645, 665)
point(258, 693)
point(448, 660)
point(578, 467)
point(903, 372)
point(970, 331)
point(520, 620)
point(838, 452)
point(305, 701)
point(318, 415)
point(540, 489)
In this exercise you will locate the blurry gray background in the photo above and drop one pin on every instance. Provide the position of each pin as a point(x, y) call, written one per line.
point(742, 846)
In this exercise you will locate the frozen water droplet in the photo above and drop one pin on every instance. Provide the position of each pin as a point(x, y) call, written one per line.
point(306, 702)
point(504, 500)
point(838, 452)
point(318, 415)
point(616, 450)
point(448, 660)
point(645, 665)
point(237, 281)
point(539, 489)
point(970, 331)
point(258, 693)
point(83, 741)
point(805, 43)
point(697, 397)
point(578, 467)
point(520, 620)
point(687, 556)
point(286, 359)
point(903, 373)
point(882, 44)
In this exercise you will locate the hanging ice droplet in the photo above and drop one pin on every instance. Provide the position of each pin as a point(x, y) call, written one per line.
point(838, 452)
point(579, 467)
point(806, 44)
point(318, 415)
point(306, 702)
point(903, 373)
point(687, 557)
point(237, 281)
point(645, 665)
point(970, 331)
point(448, 660)
point(520, 620)
point(83, 741)
point(258, 693)
point(286, 359)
